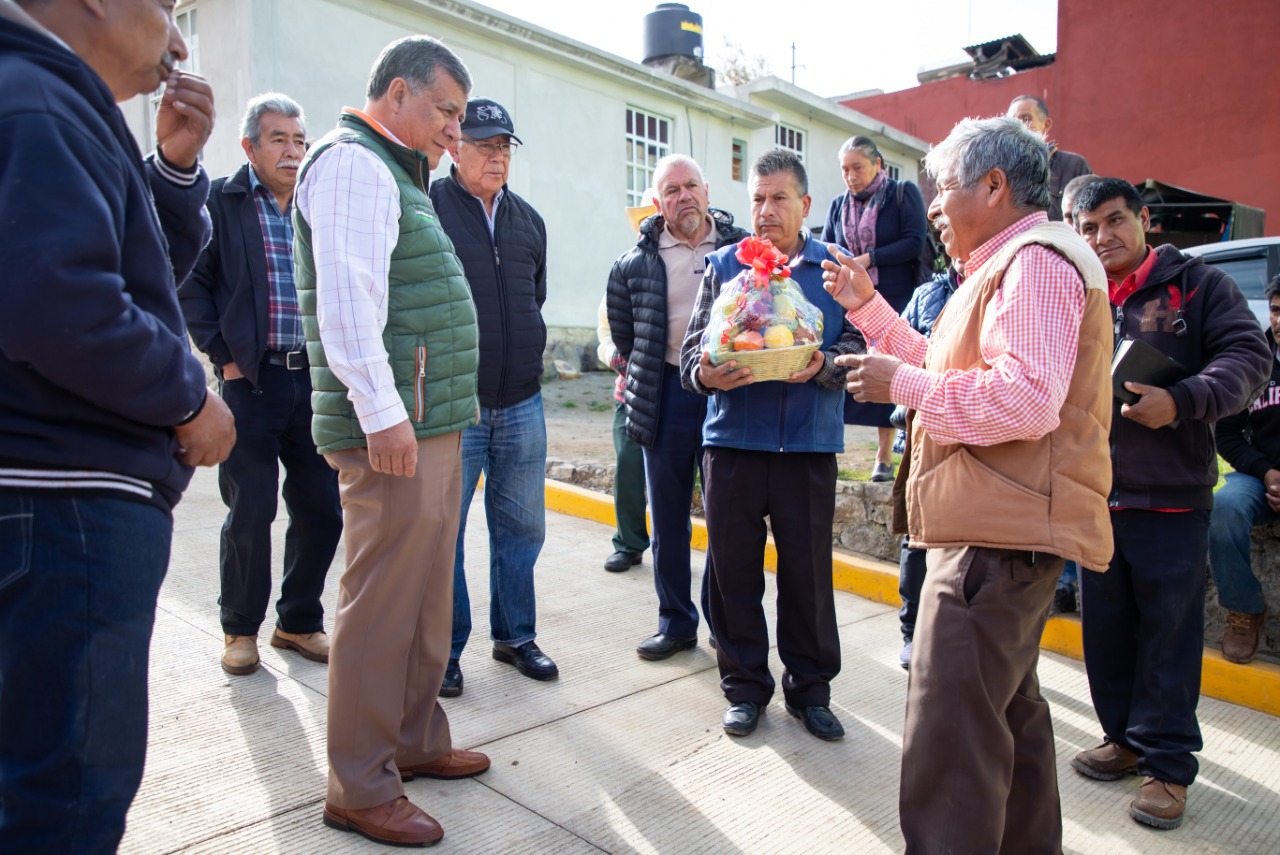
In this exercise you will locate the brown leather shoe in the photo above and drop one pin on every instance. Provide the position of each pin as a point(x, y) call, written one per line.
point(312, 645)
point(1107, 762)
point(1159, 804)
point(1240, 641)
point(458, 763)
point(399, 822)
point(240, 655)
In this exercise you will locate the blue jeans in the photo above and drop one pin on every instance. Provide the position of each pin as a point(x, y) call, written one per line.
point(510, 446)
point(79, 578)
point(1070, 576)
point(1240, 505)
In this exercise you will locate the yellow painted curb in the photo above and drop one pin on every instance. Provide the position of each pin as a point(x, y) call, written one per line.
point(1256, 685)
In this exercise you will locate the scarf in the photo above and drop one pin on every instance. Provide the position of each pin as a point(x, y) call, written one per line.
point(860, 213)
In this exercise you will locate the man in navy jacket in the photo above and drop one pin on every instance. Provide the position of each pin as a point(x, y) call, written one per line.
point(502, 243)
point(103, 409)
point(242, 310)
point(1250, 442)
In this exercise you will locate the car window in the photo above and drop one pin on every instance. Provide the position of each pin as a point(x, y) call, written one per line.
point(1249, 271)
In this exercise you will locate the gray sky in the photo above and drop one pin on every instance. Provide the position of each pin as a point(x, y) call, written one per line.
point(874, 46)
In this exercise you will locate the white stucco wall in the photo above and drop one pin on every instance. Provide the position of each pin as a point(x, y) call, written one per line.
point(568, 103)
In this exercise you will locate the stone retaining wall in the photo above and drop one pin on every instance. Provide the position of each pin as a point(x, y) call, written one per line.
point(862, 523)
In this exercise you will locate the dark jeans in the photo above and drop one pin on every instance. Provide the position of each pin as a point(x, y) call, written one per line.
point(669, 468)
point(796, 491)
point(1143, 626)
point(273, 426)
point(911, 570)
point(79, 579)
point(632, 533)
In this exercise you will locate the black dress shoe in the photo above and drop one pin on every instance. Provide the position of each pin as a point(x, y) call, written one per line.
point(661, 646)
point(619, 561)
point(741, 719)
point(819, 721)
point(528, 659)
point(452, 685)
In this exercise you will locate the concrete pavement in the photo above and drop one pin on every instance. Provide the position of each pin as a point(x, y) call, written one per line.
point(619, 755)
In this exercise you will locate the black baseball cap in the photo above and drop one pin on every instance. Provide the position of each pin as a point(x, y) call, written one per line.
point(487, 118)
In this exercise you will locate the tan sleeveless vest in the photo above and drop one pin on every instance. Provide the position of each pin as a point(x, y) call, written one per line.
point(1045, 495)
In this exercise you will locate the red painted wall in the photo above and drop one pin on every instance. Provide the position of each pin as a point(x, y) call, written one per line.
point(1183, 91)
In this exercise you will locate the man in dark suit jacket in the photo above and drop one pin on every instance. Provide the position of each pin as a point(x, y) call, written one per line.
point(242, 311)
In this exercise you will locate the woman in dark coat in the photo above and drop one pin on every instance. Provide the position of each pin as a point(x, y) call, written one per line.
point(881, 222)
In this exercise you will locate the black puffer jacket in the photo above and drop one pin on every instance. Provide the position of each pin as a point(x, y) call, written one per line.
point(508, 278)
point(637, 296)
point(1176, 467)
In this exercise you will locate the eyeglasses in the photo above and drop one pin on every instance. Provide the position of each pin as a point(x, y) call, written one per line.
point(489, 149)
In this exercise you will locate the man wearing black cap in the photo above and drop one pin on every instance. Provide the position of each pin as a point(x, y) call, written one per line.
point(502, 243)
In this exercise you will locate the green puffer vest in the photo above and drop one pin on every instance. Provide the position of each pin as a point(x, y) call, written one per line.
point(431, 334)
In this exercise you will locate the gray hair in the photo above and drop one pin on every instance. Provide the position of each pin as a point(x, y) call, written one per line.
point(976, 146)
point(415, 60)
point(665, 163)
point(270, 102)
point(864, 146)
point(781, 160)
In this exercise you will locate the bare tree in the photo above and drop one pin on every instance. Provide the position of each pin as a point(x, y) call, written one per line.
point(735, 67)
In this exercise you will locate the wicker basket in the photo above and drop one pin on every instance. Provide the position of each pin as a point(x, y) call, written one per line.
point(769, 364)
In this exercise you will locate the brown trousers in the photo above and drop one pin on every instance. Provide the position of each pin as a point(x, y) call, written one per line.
point(978, 762)
point(395, 616)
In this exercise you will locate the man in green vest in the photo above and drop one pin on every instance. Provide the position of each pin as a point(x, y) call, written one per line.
point(392, 343)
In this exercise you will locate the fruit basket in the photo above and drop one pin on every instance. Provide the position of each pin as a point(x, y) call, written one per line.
point(761, 318)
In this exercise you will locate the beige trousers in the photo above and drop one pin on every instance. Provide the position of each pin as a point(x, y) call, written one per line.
point(392, 630)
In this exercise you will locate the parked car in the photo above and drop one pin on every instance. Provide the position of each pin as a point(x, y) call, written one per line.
point(1252, 262)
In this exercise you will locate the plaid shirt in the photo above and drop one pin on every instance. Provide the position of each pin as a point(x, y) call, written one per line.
point(1029, 339)
point(284, 324)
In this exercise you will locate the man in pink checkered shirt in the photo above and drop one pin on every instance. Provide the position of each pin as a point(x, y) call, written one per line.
point(1008, 473)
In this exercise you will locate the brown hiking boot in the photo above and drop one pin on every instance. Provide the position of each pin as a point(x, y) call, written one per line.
point(1240, 641)
point(1159, 804)
point(1107, 762)
point(240, 655)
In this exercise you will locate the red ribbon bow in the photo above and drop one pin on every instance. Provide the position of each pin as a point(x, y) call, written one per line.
point(763, 258)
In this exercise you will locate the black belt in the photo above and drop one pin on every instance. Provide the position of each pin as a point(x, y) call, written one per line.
point(294, 360)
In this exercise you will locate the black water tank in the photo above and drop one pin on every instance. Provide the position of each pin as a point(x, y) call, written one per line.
point(672, 30)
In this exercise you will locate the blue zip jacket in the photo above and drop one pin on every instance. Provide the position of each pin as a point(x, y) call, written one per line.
point(777, 415)
point(94, 363)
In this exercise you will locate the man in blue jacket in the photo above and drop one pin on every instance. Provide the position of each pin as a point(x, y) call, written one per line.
point(103, 408)
point(770, 451)
point(1143, 619)
point(241, 307)
point(502, 243)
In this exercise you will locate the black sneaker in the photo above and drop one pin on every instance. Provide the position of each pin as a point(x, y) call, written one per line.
point(1064, 602)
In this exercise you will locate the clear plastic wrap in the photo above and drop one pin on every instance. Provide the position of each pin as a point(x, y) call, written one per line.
point(761, 317)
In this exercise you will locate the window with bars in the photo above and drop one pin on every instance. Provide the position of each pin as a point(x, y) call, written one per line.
point(739, 160)
point(790, 139)
point(894, 172)
point(648, 140)
point(186, 21)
